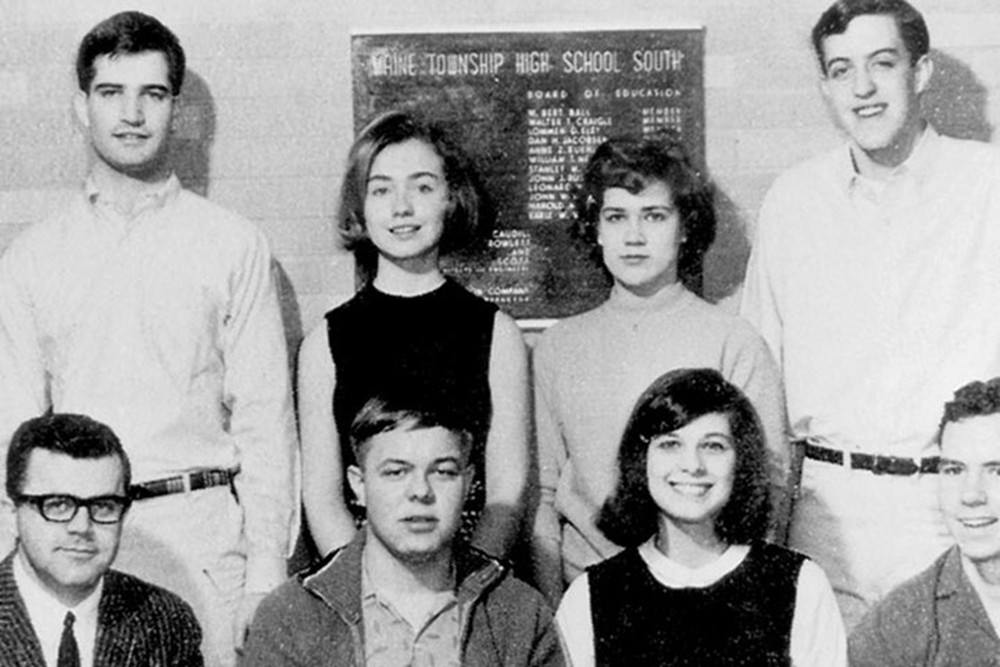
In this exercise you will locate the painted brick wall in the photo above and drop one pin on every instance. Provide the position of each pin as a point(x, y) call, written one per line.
point(267, 116)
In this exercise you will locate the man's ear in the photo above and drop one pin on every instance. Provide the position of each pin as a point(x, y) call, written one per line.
point(80, 108)
point(922, 71)
point(356, 480)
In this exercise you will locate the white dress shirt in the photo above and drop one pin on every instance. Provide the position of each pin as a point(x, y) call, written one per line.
point(46, 614)
point(879, 299)
point(165, 325)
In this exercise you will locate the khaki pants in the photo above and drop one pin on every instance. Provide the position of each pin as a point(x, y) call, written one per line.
point(868, 532)
point(191, 544)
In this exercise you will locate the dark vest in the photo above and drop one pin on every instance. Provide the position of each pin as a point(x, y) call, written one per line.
point(745, 618)
point(434, 346)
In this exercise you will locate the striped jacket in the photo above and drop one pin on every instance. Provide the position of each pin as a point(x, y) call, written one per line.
point(138, 625)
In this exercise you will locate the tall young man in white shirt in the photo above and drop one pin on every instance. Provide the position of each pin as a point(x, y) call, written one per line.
point(874, 280)
point(153, 310)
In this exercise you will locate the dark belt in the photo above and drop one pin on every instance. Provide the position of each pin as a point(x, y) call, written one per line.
point(878, 464)
point(193, 481)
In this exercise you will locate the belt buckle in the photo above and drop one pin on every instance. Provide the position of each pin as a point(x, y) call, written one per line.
point(930, 465)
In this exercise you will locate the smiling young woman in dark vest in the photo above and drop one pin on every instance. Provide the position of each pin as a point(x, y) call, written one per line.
point(697, 584)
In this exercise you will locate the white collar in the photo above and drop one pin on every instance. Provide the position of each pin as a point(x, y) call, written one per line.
point(46, 614)
point(921, 161)
point(672, 574)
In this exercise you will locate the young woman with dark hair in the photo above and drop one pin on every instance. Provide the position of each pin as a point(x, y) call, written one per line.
point(646, 212)
point(697, 585)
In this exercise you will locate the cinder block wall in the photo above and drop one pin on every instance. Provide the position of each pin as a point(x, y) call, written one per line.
point(267, 116)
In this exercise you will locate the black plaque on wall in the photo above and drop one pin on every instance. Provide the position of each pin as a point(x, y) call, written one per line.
point(529, 108)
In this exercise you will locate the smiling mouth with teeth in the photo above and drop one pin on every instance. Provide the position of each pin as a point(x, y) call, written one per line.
point(690, 489)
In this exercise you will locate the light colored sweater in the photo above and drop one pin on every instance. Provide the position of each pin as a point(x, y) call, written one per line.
point(589, 371)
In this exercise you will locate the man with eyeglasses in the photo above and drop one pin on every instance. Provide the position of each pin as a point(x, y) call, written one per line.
point(60, 604)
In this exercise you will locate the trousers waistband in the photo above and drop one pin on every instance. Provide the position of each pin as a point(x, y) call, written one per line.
point(878, 464)
point(192, 481)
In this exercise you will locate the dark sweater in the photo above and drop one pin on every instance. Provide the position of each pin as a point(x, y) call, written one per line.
point(434, 347)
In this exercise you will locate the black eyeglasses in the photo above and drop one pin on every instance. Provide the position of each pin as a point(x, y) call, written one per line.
point(62, 508)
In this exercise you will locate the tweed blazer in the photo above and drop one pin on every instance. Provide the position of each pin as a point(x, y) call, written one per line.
point(138, 625)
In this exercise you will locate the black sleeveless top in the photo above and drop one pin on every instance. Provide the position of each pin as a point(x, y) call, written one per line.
point(745, 618)
point(435, 345)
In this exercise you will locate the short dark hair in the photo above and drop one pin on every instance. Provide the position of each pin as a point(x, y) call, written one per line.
point(675, 399)
point(909, 21)
point(386, 413)
point(76, 436)
point(130, 32)
point(466, 219)
point(975, 399)
point(632, 164)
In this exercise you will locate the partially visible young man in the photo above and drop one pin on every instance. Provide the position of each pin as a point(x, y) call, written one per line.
point(60, 603)
point(153, 310)
point(404, 592)
point(874, 279)
point(950, 613)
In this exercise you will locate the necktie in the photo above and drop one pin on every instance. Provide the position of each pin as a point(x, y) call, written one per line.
point(69, 654)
